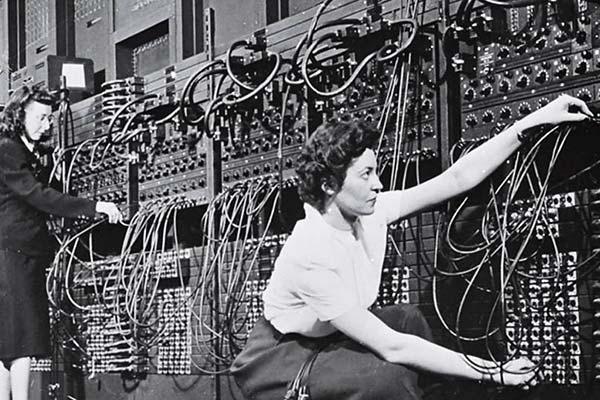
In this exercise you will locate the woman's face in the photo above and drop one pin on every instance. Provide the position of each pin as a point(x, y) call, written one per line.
point(38, 119)
point(358, 193)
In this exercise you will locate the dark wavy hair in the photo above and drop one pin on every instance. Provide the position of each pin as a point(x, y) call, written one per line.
point(328, 153)
point(12, 118)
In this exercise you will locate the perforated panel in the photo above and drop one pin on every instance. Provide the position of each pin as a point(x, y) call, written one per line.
point(87, 8)
point(36, 14)
point(151, 56)
point(134, 12)
point(139, 4)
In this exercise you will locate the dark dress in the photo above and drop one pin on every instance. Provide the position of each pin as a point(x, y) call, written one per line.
point(26, 249)
point(343, 370)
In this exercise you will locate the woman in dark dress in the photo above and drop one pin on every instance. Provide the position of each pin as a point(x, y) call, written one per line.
point(26, 247)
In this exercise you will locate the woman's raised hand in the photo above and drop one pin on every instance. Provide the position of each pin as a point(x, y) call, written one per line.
point(565, 108)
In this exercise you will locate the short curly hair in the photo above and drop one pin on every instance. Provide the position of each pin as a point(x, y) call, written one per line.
point(328, 153)
point(12, 118)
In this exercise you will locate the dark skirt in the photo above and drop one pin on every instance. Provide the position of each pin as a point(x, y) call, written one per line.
point(24, 317)
point(343, 370)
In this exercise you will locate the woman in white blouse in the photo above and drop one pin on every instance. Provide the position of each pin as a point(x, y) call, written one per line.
point(328, 273)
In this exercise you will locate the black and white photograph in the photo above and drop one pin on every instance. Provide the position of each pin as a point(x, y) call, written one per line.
point(299, 199)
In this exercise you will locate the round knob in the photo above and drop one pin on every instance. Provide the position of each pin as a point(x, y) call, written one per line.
point(581, 37)
point(471, 120)
point(505, 113)
point(487, 116)
point(546, 64)
point(541, 43)
point(490, 79)
point(582, 67)
point(426, 105)
point(523, 81)
point(486, 90)
point(566, 60)
point(561, 72)
point(354, 98)
point(541, 77)
point(527, 69)
point(474, 83)
point(508, 73)
point(521, 49)
point(561, 37)
point(586, 54)
point(504, 86)
point(542, 102)
point(503, 52)
point(469, 94)
point(524, 108)
point(584, 95)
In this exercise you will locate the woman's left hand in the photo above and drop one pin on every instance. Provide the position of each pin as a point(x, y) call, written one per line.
point(563, 109)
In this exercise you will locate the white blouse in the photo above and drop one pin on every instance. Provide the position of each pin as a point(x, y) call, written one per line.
point(323, 272)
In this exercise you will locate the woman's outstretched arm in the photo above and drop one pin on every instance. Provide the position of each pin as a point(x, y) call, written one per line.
point(413, 351)
point(477, 165)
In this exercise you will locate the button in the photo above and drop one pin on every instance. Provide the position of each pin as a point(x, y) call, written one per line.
point(487, 116)
point(504, 86)
point(541, 77)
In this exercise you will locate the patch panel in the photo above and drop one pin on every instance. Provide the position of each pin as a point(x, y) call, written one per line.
point(175, 347)
point(175, 170)
point(109, 345)
point(254, 305)
point(543, 315)
point(394, 286)
point(40, 364)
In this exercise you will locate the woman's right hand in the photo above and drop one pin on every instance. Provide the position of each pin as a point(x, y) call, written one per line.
point(110, 210)
point(517, 372)
point(564, 108)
